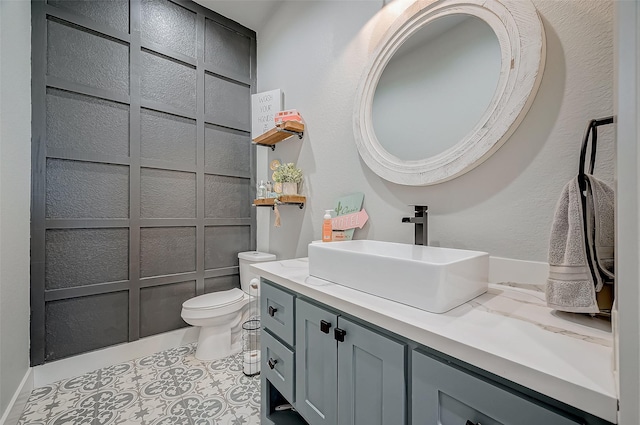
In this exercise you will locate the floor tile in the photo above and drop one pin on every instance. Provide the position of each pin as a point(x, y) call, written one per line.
point(242, 416)
point(175, 414)
point(47, 408)
point(167, 388)
point(143, 412)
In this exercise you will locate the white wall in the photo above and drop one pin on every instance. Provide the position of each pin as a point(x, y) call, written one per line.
point(15, 175)
point(316, 52)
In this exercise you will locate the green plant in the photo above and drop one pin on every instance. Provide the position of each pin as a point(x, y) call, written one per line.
point(287, 173)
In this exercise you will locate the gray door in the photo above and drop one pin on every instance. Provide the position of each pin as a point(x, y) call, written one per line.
point(142, 176)
point(371, 378)
point(316, 365)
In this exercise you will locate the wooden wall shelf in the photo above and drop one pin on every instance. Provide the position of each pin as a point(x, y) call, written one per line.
point(298, 200)
point(280, 133)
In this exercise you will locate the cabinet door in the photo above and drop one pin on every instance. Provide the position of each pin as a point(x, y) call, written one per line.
point(446, 395)
point(371, 377)
point(316, 364)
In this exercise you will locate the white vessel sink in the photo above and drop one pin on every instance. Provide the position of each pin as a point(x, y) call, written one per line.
point(429, 278)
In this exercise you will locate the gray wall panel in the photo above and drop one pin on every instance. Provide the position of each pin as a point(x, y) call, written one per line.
point(226, 197)
point(78, 189)
point(160, 307)
point(83, 324)
point(114, 13)
point(121, 195)
point(227, 103)
point(82, 57)
point(86, 124)
point(167, 137)
point(167, 194)
point(76, 257)
point(167, 250)
point(222, 244)
point(227, 50)
point(227, 150)
point(170, 25)
point(222, 283)
point(169, 82)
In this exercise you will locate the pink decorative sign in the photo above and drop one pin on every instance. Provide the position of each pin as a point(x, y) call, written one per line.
point(350, 221)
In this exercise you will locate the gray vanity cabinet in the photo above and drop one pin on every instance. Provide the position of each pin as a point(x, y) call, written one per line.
point(338, 370)
point(347, 374)
point(443, 394)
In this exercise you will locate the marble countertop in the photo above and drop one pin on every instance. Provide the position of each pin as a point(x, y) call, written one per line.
point(509, 331)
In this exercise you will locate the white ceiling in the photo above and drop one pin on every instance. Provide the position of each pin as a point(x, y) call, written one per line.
point(251, 13)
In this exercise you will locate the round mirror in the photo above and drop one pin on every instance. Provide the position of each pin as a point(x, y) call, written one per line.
point(448, 84)
point(450, 65)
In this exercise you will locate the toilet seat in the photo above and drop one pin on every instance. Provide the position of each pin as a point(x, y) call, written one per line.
point(220, 315)
point(214, 300)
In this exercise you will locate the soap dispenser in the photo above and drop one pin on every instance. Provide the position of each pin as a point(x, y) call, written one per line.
point(327, 230)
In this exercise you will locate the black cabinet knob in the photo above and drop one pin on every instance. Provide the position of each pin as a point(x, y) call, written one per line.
point(472, 423)
point(272, 363)
point(325, 326)
point(272, 311)
point(339, 334)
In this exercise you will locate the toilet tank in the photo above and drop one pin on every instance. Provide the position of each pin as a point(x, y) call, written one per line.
point(246, 259)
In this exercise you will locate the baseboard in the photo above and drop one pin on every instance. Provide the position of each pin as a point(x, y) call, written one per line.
point(518, 271)
point(19, 400)
point(77, 365)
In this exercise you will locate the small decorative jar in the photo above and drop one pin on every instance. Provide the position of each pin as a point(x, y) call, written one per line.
point(289, 188)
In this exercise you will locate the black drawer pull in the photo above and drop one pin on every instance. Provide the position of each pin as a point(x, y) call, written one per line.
point(272, 311)
point(325, 326)
point(472, 423)
point(272, 363)
point(339, 334)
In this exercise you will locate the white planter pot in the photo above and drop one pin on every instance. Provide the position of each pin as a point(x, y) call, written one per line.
point(289, 188)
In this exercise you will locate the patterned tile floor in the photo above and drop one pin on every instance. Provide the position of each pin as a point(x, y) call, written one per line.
point(168, 388)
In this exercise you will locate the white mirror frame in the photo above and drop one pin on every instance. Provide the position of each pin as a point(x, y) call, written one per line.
point(522, 43)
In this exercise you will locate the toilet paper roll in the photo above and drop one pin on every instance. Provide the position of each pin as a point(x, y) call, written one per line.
point(251, 362)
point(254, 287)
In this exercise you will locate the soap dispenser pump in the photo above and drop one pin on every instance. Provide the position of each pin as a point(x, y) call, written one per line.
point(327, 228)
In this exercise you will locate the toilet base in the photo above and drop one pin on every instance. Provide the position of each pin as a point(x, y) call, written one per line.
point(214, 343)
point(218, 342)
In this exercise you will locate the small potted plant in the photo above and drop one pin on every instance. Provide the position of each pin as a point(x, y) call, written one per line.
point(289, 176)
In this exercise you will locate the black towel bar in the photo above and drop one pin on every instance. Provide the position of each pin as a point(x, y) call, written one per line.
point(583, 181)
point(591, 131)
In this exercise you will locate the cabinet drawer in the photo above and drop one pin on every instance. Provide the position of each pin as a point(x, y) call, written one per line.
point(278, 365)
point(276, 311)
point(443, 394)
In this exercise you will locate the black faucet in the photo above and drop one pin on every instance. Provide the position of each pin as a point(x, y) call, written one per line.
point(422, 225)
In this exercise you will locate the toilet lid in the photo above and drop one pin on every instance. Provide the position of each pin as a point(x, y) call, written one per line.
point(214, 300)
point(256, 256)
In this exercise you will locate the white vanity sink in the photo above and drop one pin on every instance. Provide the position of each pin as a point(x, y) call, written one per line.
point(429, 278)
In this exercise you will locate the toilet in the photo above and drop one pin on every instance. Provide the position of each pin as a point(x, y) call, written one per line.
point(220, 314)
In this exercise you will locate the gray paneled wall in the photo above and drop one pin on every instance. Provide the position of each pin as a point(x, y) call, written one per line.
point(142, 167)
